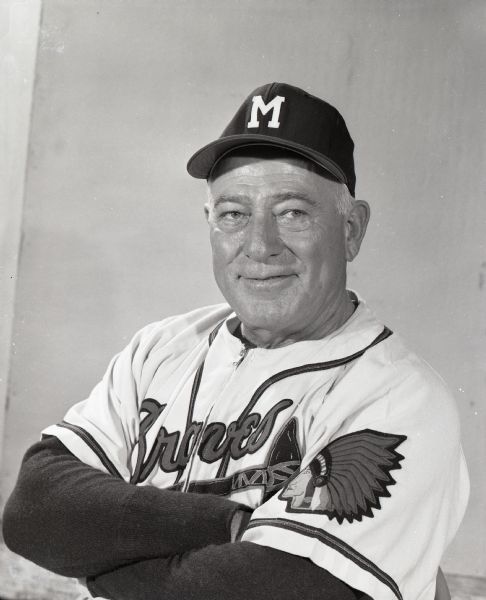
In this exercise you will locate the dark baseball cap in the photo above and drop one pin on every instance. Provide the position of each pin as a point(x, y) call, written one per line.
point(286, 117)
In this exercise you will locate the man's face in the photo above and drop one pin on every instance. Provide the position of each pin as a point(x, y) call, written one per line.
point(278, 242)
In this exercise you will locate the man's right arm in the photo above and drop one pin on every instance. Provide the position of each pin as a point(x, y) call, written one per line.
point(72, 519)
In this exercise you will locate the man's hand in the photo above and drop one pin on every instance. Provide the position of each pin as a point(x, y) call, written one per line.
point(238, 524)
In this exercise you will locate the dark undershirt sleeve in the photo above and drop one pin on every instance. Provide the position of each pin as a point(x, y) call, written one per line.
point(77, 521)
point(238, 571)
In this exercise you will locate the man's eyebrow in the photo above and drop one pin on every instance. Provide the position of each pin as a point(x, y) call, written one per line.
point(229, 198)
point(283, 196)
point(277, 197)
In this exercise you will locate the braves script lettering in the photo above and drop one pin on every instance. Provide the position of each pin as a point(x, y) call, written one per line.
point(172, 450)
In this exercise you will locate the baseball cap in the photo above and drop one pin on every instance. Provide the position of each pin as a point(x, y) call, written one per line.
point(286, 117)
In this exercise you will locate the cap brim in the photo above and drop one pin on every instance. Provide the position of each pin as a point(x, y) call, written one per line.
point(203, 161)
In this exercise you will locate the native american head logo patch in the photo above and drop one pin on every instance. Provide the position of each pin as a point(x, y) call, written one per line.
point(347, 478)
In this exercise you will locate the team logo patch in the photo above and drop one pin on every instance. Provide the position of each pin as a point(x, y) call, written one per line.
point(347, 478)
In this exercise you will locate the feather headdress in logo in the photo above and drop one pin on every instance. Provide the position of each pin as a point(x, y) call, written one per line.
point(347, 478)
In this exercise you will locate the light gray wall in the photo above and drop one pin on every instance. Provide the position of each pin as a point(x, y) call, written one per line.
point(114, 235)
point(19, 27)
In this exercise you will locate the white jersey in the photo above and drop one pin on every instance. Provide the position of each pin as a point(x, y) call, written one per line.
point(347, 448)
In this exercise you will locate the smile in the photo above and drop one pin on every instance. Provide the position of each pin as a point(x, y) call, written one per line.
point(271, 282)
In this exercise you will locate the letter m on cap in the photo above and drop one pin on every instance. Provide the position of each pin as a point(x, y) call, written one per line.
point(258, 105)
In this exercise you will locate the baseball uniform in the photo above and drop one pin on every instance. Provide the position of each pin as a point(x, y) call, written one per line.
point(347, 448)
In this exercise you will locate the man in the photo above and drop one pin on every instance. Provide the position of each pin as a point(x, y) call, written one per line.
point(285, 444)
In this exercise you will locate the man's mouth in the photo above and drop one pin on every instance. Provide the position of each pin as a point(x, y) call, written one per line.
point(266, 281)
point(267, 278)
point(255, 277)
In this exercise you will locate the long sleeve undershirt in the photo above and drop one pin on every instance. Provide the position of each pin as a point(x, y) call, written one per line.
point(75, 520)
point(143, 543)
point(239, 571)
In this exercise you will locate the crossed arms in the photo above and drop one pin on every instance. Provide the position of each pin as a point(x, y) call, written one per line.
point(143, 543)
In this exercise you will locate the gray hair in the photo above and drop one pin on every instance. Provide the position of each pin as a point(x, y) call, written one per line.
point(344, 200)
point(342, 196)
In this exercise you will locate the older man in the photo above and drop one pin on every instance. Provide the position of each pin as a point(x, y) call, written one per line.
point(285, 444)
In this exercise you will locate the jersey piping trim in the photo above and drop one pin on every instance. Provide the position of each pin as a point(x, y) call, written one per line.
point(214, 332)
point(194, 391)
point(198, 376)
point(333, 542)
point(195, 388)
point(308, 368)
point(89, 440)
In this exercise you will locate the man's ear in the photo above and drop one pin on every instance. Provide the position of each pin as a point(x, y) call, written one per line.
point(206, 211)
point(356, 223)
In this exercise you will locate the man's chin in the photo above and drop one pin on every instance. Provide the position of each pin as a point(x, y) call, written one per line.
point(257, 320)
point(273, 312)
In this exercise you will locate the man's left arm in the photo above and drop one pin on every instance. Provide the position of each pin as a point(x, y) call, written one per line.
point(239, 571)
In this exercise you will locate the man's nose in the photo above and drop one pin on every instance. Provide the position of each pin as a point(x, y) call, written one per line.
point(262, 237)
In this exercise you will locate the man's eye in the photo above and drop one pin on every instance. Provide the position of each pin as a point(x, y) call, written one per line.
point(232, 214)
point(232, 218)
point(293, 213)
point(294, 218)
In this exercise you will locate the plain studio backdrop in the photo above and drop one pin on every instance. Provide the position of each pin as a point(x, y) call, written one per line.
point(104, 232)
